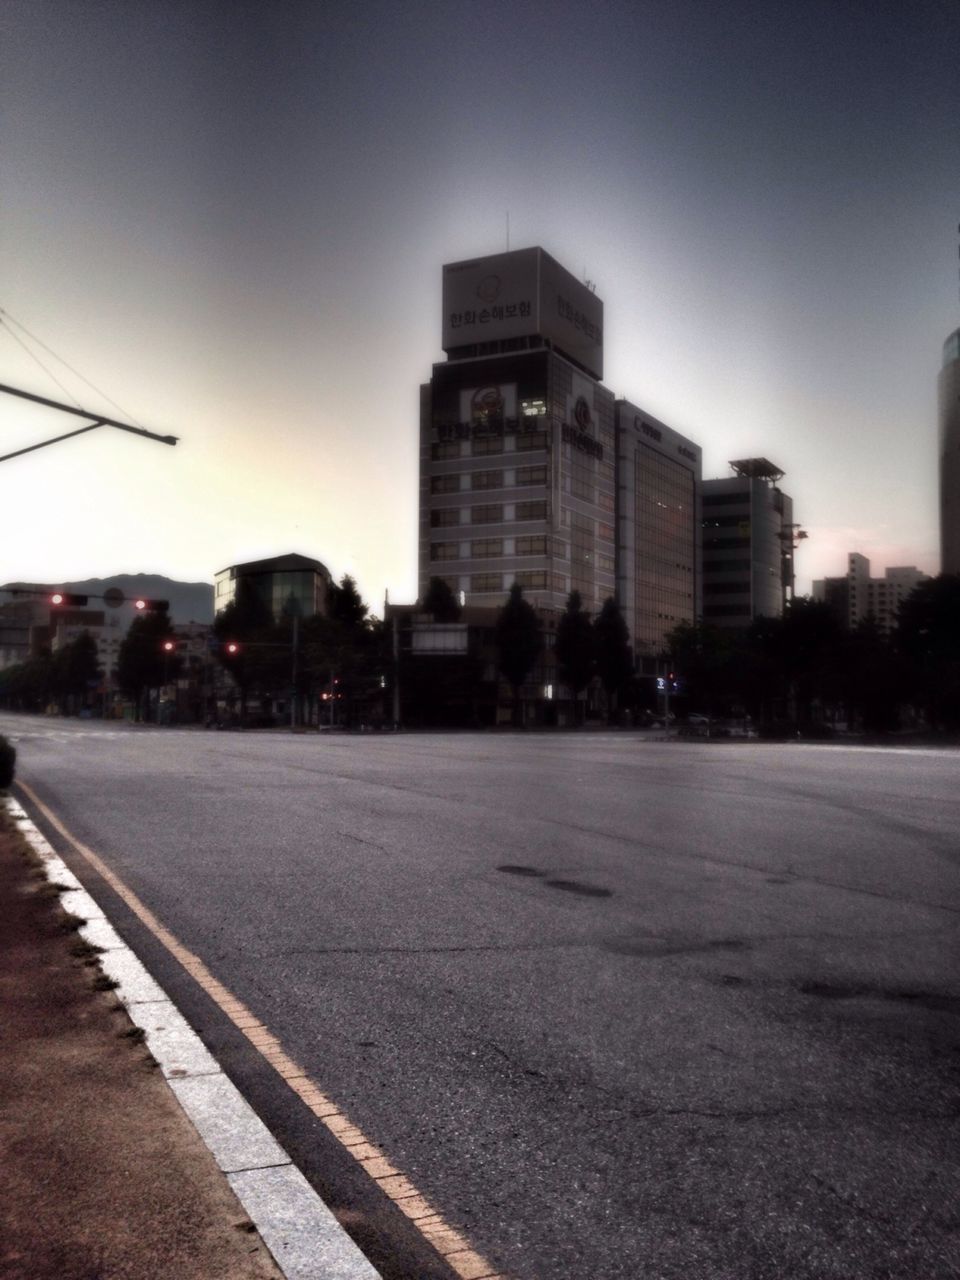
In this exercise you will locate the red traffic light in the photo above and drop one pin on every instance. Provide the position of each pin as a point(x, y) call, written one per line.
point(148, 606)
point(231, 647)
point(169, 646)
point(60, 598)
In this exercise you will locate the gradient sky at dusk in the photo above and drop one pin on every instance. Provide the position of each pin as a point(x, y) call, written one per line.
point(232, 217)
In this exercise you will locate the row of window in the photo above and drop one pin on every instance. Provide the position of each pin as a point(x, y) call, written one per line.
point(522, 477)
point(488, 513)
point(484, 446)
point(492, 548)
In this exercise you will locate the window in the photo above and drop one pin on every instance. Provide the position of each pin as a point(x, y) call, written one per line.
point(487, 444)
point(725, 499)
point(486, 582)
point(449, 449)
point(445, 484)
point(528, 440)
point(489, 513)
point(533, 546)
point(485, 548)
point(486, 480)
point(445, 551)
point(533, 408)
point(531, 475)
point(443, 517)
point(531, 511)
point(531, 579)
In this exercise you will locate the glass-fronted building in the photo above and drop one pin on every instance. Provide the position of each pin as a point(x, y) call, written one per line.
point(288, 585)
point(658, 522)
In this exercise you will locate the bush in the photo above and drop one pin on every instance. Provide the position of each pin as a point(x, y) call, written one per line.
point(8, 758)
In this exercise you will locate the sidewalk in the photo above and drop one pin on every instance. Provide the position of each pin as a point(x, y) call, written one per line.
point(102, 1177)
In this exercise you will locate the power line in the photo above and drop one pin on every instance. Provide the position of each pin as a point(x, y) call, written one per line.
point(6, 316)
point(34, 356)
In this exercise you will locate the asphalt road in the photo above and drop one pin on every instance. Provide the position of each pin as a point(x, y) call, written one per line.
point(619, 1007)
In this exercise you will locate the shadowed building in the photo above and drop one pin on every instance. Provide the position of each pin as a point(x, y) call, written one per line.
point(858, 596)
point(949, 397)
point(658, 528)
point(285, 584)
point(748, 539)
point(517, 444)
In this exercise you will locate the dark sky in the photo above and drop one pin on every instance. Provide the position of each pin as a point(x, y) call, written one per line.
point(232, 218)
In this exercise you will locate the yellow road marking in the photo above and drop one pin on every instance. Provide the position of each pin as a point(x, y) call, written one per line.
point(446, 1240)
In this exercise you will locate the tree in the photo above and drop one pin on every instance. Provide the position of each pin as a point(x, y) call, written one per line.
point(343, 652)
point(76, 668)
point(440, 602)
point(575, 649)
point(518, 642)
point(262, 661)
point(141, 662)
point(614, 659)
point(871, 677)
point(702, 655)
point(928, 637)
point(344, 605)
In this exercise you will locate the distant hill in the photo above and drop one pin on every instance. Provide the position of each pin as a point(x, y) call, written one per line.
point(189, 601)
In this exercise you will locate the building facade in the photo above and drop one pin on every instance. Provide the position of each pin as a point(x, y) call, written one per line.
point(517, 438)
point(948, 387)
point(658, 528)
point(287, 585)
point(748, 541)
point(858, 596)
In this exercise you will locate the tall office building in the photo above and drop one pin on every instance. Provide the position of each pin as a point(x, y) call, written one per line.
point(517, 438)
point(949, 396)
point(658, 528)
point(748, 540)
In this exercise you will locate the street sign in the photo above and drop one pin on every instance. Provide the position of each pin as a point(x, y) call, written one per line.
point(113, 597)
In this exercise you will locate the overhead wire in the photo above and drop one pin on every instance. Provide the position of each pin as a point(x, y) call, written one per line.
point(33, 356)
point(6, 317)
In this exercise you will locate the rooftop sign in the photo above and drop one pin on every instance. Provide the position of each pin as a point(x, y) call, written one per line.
point(519, 295)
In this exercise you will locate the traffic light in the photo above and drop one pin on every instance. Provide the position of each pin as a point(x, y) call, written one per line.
point(150, 606)
point(169, 646)
point(61, 598)
point(231, 648)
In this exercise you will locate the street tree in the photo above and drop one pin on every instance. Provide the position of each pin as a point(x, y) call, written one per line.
point(141, 662)
point(261, 661)
point(614, 658)
point(518, 643)
point(575, 650)
point(76, 669)
point(440, 602)
point(928, 637)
